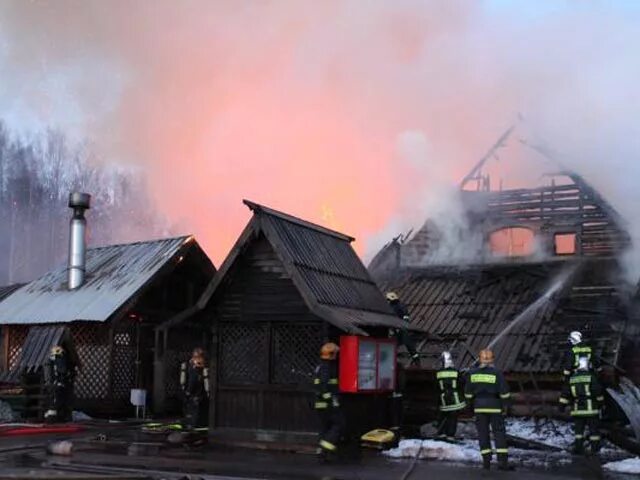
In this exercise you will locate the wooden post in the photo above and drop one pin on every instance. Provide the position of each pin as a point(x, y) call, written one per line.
point(159, 372)
point(213, 375)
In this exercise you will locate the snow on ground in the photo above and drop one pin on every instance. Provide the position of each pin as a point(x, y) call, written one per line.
point(78, 416)
point(549, 432)
point(434, 449)
point(630, 465)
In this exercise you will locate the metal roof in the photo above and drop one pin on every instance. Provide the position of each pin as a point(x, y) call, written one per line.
point(114, 274)
point(37, 348)
point(465, 308)
point(325, 269)
point(9, 289)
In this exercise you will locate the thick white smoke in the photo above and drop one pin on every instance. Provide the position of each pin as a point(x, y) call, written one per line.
point(303, 104)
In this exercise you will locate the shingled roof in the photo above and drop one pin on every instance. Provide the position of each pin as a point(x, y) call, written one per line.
point(466, 307)
point(325, 269)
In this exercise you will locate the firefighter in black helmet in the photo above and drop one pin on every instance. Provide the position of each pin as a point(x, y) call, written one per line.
point(194, 381)
point(327, 402)
point(451, 401)
point(584, 394)
point(489, 392)
point(59, 376)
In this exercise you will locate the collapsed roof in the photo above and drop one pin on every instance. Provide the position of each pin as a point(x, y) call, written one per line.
point(464, 308)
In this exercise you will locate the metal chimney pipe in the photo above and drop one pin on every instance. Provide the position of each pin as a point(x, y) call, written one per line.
point(79, 202)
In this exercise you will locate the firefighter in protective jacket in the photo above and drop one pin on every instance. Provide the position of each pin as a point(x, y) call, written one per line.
point(579, 349)
point(60, 373)
point(584, 394)
point(327, 402)
point(451, 401)
point(489, 392)
point(402, 334)
point(194, 381)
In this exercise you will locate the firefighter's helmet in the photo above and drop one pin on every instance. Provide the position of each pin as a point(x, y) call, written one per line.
point(197, 357)
point(447, 359)
point(56, 350)
point(583, 363)
point(486, 356)
point(392, 296)
point(329, 351)
point(575, 338)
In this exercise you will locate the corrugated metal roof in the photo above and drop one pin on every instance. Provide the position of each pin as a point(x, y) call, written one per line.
point(36, 349)
point(468, 307)
point(9, 289)
point(113, 275)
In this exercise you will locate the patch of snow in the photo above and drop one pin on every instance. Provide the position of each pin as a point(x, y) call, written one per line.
point(78, 416)
point(550, 432)
point(435, 450)
point(630, 465)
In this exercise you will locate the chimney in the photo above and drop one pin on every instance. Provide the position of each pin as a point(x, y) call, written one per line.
point(79, 202)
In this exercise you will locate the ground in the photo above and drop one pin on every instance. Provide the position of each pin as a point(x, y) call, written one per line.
point(121, 450)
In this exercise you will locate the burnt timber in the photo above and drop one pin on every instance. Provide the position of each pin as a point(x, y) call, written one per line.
point(463, 304)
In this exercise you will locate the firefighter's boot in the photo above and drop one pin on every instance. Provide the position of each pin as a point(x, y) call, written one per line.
point(503, 462)
point(486, 461)
point(578, 447)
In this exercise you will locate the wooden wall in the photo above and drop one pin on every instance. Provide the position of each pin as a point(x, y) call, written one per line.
point(266, 345)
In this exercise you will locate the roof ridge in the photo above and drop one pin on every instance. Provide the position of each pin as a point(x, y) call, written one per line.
point(142, 242)
point(258, 208)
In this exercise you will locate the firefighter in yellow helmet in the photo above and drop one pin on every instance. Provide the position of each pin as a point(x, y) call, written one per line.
point(401, 334)
point(194, 381)
point(487, 389)
point(327, 402)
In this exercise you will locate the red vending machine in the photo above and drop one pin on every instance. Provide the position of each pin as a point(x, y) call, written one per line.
point(367, 365)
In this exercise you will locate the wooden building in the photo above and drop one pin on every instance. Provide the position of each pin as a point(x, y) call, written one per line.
point(286, 287)
point(129, 290)
point(550, 257)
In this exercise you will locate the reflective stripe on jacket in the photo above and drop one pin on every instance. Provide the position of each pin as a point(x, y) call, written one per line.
point(325, 383)
point(449, 386)
point(487, 388)
point(584, 393)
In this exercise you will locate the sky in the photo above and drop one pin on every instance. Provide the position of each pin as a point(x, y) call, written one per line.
point(356, 115)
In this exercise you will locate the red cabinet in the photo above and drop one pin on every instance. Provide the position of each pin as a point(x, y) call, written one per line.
point(367, 365)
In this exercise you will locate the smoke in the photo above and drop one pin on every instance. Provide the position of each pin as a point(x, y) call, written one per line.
point(305, 105)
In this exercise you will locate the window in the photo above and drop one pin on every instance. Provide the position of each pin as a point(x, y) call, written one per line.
point(512, 242)
point(564, 243)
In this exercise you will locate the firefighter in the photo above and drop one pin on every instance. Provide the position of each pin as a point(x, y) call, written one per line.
point(579, 349)
point(402, 334)
point(585, 395)
point(194, 381)
point(327, 402)
point(489, 392)
point(60, 373)
point(451, 402)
